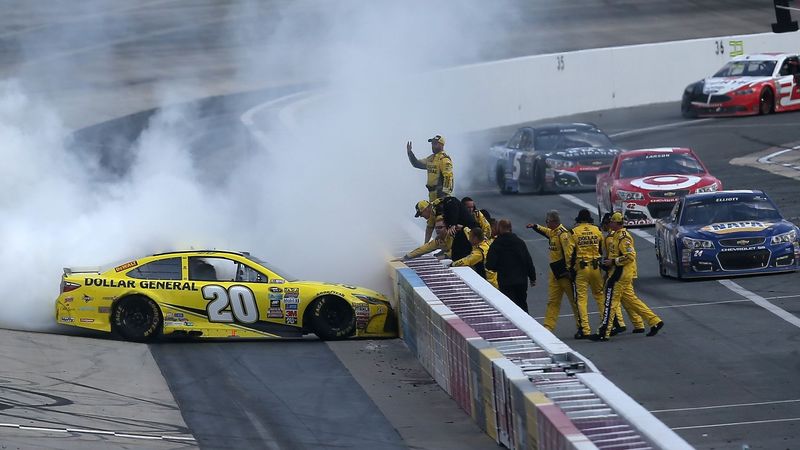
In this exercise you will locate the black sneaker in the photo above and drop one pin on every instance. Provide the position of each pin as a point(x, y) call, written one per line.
point(638, 330)
point(579, 335)
point(655, 328)
point(617, 330)
point(597, 337)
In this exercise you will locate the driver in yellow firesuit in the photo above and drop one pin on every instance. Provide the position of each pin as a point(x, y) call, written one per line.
point(443, 241)
point(619, 324)
point(477, 257)
point(559, 281)
point(621, 261)
point(440, 173)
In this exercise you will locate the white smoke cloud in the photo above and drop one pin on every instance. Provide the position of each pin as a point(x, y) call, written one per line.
point(323, 200)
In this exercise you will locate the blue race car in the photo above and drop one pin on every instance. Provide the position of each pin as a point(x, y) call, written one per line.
point(725, 233)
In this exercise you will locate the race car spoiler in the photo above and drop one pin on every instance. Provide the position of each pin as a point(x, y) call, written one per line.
point(88, 269)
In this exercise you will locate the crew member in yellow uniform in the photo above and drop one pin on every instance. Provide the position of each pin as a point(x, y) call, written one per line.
point(476, 258)
point(621, 262)
point(585, 263)
point(559, 281)
point(469, 203)
point(619, 323)
point(440, 172)
point(443, 242)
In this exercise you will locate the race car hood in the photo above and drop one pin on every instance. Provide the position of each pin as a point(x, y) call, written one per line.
point(583, 154)
point(725, 85)
point(735, 229)
point(663, 182)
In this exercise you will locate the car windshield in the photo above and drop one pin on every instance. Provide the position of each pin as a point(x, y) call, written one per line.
point(271, 268)
point(660, 164)
point(729, 209)
point(548, 140)
point(746, 69)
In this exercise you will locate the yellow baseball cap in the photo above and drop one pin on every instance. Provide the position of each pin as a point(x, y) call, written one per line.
point(438, 138)
point(617, 217)
point(421, 205)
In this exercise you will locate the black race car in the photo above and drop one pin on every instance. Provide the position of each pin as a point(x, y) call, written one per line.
point(554, 157)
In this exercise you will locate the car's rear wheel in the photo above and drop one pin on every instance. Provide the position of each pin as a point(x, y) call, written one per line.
point(686, 110)
point(331, 318)
point(137, 318)
point(766, 102)
point(661, 269)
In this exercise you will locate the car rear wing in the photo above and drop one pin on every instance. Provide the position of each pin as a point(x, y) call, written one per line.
point(71, 270)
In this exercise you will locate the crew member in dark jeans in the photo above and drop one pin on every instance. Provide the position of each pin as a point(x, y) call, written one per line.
point(509, 257)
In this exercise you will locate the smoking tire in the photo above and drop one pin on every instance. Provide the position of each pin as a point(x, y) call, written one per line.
point(331, 318)
point(137, 318)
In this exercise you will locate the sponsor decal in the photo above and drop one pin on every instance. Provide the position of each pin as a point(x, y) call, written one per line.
point(275, 297)
point(86, 298)
point(179, 315)
point(290, 313)
point(85, 320)
point(127, 265)
point(660, 155)
point(742, 242)
point(291, 320)
point(277, 281)
point(275, 303)
point(727, 199)
point(665, 182)
point(291, 292)
point(291, 306)
point(275, 289)
point(291, 300)
point(735, 227)
point(114, 297)
point(169, 316)
point(68, 299)
point(741, 249)
point(275, 313)
point(143, 284)
point(349, 287)
point(67, 319)
point(86, 308)
point(104, 309)
point(331, 292)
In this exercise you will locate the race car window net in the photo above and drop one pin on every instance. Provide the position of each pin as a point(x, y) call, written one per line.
point(746, 69)
point(660, 164)
point(712, 211)
point(283, 274)
point(551, 140)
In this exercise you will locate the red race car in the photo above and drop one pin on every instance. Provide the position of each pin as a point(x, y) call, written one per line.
point(645, 184)
point(747, 85)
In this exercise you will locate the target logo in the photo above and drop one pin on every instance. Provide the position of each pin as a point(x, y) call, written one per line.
point(665, 182)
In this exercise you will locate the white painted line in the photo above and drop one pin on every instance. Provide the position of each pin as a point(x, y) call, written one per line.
point(735, 405)
point(762, 302)
point(734, 424)
point(766, 159)
point(101, 432)
point(659, 127)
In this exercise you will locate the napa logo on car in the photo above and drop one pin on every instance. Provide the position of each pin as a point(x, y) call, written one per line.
point(735, 227)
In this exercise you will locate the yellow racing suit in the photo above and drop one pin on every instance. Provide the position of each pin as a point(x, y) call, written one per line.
point(485, 225)
point(585, 263)
point(444, 244)
point(619, 284)
point(559, 281)
point(636, 320)
point(476, 260)
point(440, 173)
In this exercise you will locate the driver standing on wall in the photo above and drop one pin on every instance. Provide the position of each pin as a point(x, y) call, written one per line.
point(440, 173)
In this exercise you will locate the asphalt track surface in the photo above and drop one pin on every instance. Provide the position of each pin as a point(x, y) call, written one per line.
point(101, 61)
point(723, 371)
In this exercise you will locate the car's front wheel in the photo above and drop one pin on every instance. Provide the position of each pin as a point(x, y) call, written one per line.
point(766, 102)
point(538, 178)
point(331, 318)
point(137, 318)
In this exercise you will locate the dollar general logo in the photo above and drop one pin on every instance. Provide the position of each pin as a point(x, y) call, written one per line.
point(737, 48)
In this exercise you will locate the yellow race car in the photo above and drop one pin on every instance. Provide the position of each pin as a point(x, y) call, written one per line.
point(216, 294)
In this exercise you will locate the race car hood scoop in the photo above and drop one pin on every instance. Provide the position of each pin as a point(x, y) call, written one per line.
point(716, 86)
